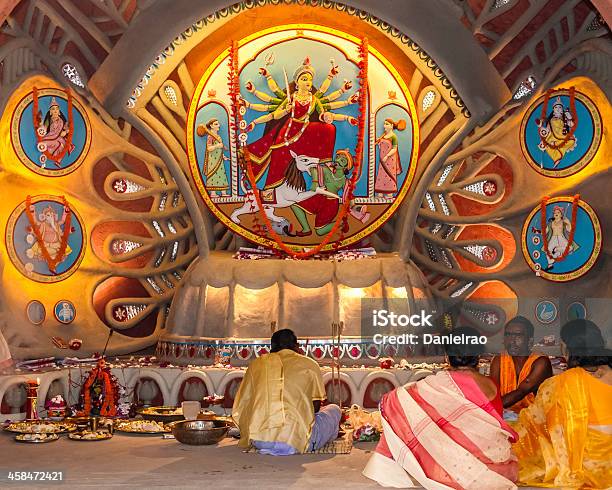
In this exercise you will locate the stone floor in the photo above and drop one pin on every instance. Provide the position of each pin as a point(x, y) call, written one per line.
point(149, 461)
point(152, 462)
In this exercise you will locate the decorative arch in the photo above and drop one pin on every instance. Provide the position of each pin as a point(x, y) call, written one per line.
point(177, 385)
point(155, 376)
point(346, 381)
point(365, 387)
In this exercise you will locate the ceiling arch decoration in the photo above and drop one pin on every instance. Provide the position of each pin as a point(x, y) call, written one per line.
point(470, 194)
point(184, 39)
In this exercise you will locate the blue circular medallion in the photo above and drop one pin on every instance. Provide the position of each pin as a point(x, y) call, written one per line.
point(546, 311)
point(560, 133)
point(64, 311)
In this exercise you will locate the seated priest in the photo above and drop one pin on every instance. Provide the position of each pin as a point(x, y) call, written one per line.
point(566, 434)
point(446, 430)
point(278, 406)
point(519, 372)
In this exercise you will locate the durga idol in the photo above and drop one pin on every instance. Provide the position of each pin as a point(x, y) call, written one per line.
point(299, 119)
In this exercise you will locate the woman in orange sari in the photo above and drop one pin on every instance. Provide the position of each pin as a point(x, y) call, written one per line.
point(446, 431)
point(566, 434)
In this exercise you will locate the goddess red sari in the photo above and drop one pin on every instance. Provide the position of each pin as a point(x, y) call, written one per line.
point(53, 138)
point(302, 133)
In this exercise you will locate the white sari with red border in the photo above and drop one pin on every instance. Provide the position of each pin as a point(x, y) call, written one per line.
point(434, 434)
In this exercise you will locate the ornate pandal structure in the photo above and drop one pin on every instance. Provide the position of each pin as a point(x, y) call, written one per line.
point(468, 153)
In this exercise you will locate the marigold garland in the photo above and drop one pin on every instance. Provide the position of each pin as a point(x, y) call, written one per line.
point(36, 120)
point(111, 391)
point(235, 118)
point(570, 133)
point(570, 240)
point(341, 222)
point(51, 262)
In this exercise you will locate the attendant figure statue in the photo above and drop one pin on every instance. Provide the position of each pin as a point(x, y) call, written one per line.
point(390, 166)
point(214, 160)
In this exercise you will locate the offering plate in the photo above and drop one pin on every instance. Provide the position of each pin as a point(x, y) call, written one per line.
point(90, 436)
point(34, 438)
point(163, 414)
point(40, 427)
point(141, 427)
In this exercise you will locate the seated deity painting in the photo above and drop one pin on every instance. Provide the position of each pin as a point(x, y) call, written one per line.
point(45, 238)
point(50, 132)
point(565, 244)
point(561, 133)
point(278, 161)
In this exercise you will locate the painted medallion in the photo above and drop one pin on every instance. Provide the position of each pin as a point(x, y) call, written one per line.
point(45, 239)
point(299, 117)
point(576, 311)
point(64, 311)
point(560, 133)
point(554, 251)
point(35, 311)
point(546, 311)
point(55, 140)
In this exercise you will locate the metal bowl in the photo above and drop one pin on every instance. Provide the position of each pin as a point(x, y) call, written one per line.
point(199, 432)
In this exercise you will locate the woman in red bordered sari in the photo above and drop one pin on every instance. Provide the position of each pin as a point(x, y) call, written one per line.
point(446, 431)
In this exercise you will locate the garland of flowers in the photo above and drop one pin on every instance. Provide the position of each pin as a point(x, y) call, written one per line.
point(570, 240)
point(36, 119)
point(51, 262)
point(572, 130)
point(237, 115)
point(237, 112)
point(111, 391)
point(363, 97)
